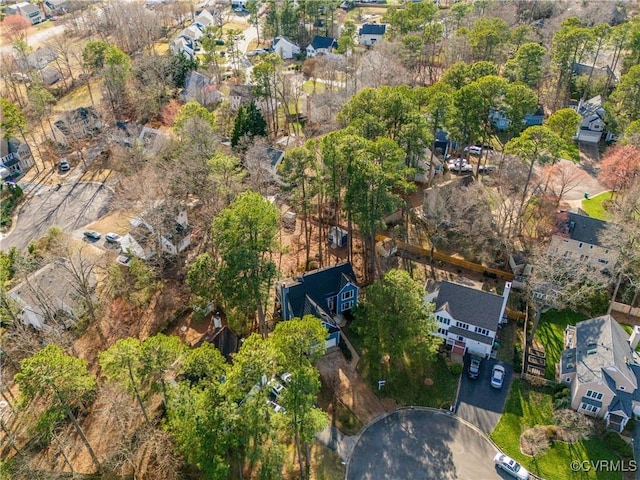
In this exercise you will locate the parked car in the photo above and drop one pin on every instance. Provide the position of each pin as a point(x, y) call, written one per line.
point(124, 260)
point(462, 168)
point(474, 367)
point(64, 166)
point(487, 168)
point(112, 237)
point(276, 387)
point(473, 150)
point(92, 235)
point(497, 376)
point(510, 466)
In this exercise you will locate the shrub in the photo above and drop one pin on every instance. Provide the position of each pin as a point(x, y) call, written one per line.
point(455, 368)
point(346, 351)
point(551, 431)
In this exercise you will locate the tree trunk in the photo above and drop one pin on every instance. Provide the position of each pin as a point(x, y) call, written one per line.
point(615, 294)
point(137, 394)
point(78, 428)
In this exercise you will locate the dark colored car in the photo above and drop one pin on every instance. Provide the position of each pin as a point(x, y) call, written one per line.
point(92, 235)
point(474, 367)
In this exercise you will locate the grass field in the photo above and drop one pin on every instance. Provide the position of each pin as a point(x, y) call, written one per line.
point(550, 333)
point(595, 206)
point(527, 406)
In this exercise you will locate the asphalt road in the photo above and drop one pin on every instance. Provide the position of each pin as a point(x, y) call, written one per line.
point(72, 206)
point(422, 444)
point(478, 402)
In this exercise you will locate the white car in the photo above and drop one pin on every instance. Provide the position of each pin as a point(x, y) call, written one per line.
point(497, 376)
point(276, 408)
point(112, 237)
point(510, 466)
point(473, 150)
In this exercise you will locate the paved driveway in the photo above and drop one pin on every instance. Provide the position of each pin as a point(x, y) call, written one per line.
point(480, 403)
point(72, 206)
point(421, 444)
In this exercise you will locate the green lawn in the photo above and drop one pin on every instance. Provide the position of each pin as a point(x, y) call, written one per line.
point(550, 333)
point(594, 206)
point(307, 87)
point(528, 406)
point(406, 384)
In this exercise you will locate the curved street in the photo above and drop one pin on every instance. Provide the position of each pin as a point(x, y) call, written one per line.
point(422, 444)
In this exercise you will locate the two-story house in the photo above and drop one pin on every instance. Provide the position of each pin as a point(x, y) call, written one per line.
point(579, 240)
point(321, 46)
point(600, 366)
point(593, 124)
point(371, 33)
point(30, 11)
point(326, 293)
point(15, 156)
point(285, 48)
point(468, 319)
point(76, 125)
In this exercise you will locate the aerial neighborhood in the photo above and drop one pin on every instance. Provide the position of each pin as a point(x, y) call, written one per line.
point(320, 239)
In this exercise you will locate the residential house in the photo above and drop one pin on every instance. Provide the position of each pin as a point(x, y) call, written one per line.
point(181, 45)
point(468, 319)
point(593, 125)
point(442, 143)
point(579, 239)
point(600, 367)
point(240, 95)
point(152, 139)
point(42, 57)
point(501, 122)
point(205, 19)
point(15, 156)
point(48, 297)
point(76, 125)
point(371, 33)
point(160, 227)
point(192, 33)
point(125, 133)
point(55, 7)
point(285, 48)
point(30, 11)
point(321, 46)
point(326, 293)
point(599, 73)
point(200, 88)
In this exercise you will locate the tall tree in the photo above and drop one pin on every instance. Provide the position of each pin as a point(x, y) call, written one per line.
point(620, 168)
point(439, 105)
point(249, 123)
point(62, 381)
point(527, 64)
point(244, 236)
point(394, 321)
point(116, 71)
point(564, 123)
point(626, 97)
point(486, 37)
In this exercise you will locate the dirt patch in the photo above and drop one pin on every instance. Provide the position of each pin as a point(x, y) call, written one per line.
point(117, 222)
point(341, 377)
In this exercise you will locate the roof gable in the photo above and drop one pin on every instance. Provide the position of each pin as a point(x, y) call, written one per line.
point(372, 29)
point(323, 42)
point(470, 305)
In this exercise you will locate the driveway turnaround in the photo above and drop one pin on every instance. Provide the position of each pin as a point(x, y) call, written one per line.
point(69, 207)
point(478, 402)
point(422, 444)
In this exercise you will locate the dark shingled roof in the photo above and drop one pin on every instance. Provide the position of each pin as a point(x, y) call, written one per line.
point(585, 229)
point(469, 305)
point(372, 29)
point(317, 285)
point(323, 42)
point(471, 335)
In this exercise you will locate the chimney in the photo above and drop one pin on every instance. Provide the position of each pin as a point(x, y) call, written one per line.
point(634, 339)
point(505, 297)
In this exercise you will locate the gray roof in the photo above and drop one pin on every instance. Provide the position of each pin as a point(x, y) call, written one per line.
point(372, 29)
point(469, 305)
point(568, 362)
point(585, 229)
point(601, 342)
point(323, 42)
point(471, 335)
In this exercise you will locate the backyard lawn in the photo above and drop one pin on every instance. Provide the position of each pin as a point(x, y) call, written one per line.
point(406, 383)
point(550, 334)
point(528, 406)
point(594, 206)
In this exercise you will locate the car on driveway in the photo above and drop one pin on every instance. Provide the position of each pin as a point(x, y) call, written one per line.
point(510, 466)
point(112, 237)
point(497, 376)
point(473, 150)
point(64, 166)
point(92, 235)
point(474, 367)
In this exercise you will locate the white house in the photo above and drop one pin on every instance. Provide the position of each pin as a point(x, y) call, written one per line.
point(371, 33)
point(285, 48)
point(321, 46)
point(182, 45)
point(30, 11)
point(468, 318)
point(55, 7)
point(15, 156)
point(592, 126)
point(204, 20)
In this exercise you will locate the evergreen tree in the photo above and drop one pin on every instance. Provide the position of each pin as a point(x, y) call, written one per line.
point(249, 123)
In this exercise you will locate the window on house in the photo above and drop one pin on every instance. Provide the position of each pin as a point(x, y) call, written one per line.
point(482, 331)
point(443, 331)
point(592, 348)
point(347, 295)
point(347, 305)
point(593, 394)
point(446, 321)
point(460, 338)
point(462, 325)
point(589, 408)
